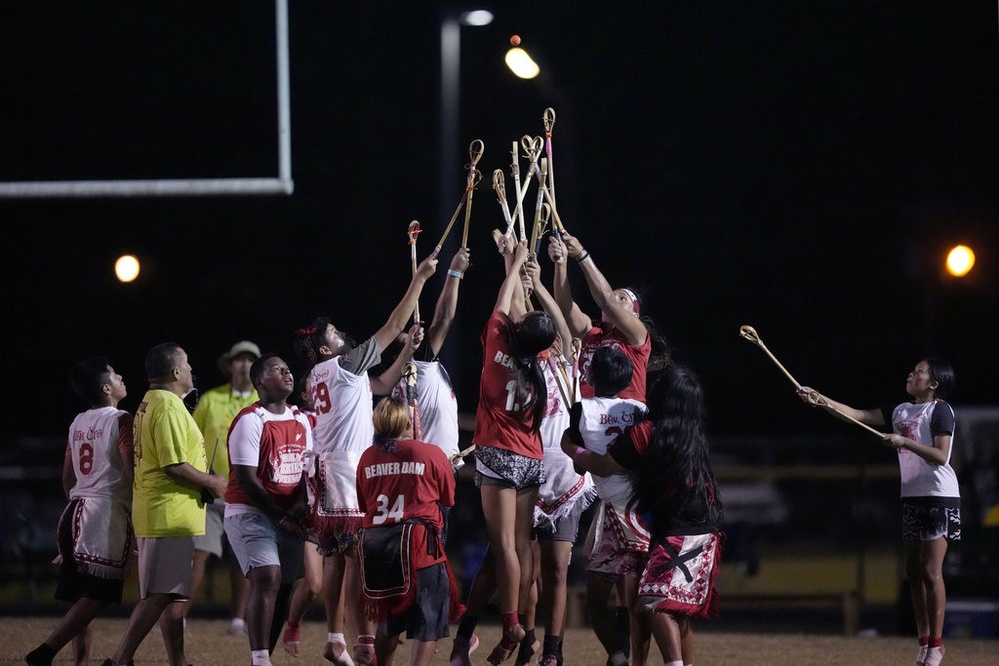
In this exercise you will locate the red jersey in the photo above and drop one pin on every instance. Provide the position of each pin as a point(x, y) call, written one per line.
point(605, 335)
point(411, 483)
point(273, 443)
point(498, 422)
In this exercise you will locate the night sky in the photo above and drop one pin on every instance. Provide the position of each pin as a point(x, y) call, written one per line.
point(798, 167)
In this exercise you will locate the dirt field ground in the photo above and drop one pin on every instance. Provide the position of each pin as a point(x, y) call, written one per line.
point(208, 645)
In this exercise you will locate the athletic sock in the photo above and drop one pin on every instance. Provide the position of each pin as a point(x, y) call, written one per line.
point(552, 645)
point(618, 659)
point(622, 621)
point(934, 655)
point(510, 619)
point(41, 656)
point(526, 650)
point(921, 654)
point(466, 627)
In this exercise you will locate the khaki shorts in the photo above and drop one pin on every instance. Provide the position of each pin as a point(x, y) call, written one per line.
point(165, 566)
point(212, 540)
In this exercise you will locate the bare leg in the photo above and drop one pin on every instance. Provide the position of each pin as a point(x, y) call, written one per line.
point(172, 627)
point(143, 617)
point(385, 647)
point(240, 586)
point(76, 623)
point(667, 632)
point(198, 567)
point(510, 543)
point(82, 643)
point(361, 625)
point(421, 653)
point(924, 566)
point(333, 602)
point(526, 555)
point(555, 584)
point(641, 633)
point(598, 592)
point(499, 506)
point(264, 584)
point(303, 595)
point(686, 638)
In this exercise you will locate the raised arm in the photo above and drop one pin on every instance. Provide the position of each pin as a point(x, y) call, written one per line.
point(447, 302)
point(624, 320)
point(402, 312)
point(511, 289)
point(575, 318)
point(385, 382)
point(546, 300)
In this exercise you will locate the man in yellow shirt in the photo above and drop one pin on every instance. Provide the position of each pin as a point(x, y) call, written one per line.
point(167, 512)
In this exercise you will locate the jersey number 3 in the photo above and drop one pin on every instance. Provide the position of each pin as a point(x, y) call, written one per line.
point(384, 514)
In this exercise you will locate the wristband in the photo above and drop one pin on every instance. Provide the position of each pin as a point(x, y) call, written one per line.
point(583, 256)
point(454, 273)
point(577, 452)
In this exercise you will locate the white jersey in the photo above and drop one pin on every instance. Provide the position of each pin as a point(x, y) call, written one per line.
point(921, 478)
point(436, 405)
point(343, 403)
point(344, 428)
point(601, 421)
point(564, 491)
point(93, 445)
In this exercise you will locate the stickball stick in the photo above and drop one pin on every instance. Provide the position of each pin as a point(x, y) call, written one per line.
point(414, 231)
point(750, 334)
point(475, 151)
point(458, 459)
point(548, 118)
point(499, 187)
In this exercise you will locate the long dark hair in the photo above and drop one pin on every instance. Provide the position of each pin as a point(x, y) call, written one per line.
point(942, 373)
point(527, 338)
point(678, 468)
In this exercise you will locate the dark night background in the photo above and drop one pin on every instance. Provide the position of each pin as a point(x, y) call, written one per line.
point(799, 167)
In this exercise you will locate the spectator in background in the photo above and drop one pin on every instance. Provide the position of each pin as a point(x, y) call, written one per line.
point(171, 471)
point(95, 530)
point(215, 411)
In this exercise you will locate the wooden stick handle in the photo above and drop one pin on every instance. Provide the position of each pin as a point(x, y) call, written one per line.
point(456, 459)
point(475, 150)
point(750, 334)
point(413, 232)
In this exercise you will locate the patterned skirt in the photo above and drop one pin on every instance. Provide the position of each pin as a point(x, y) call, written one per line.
point(680, 575)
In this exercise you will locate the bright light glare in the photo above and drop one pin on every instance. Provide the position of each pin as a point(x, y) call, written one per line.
point(126, 268)
point(960, 260)
point(478, 17)
point(521, 64)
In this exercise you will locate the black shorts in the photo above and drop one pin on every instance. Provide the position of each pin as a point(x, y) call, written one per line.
point(73, 584)
point(930, 518)
point(428, 618)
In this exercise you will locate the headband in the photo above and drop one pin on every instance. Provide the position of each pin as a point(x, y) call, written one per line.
point(634, 300)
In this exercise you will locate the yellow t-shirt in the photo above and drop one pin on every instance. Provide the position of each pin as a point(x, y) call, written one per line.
point(216, 409)
point(165, 434)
